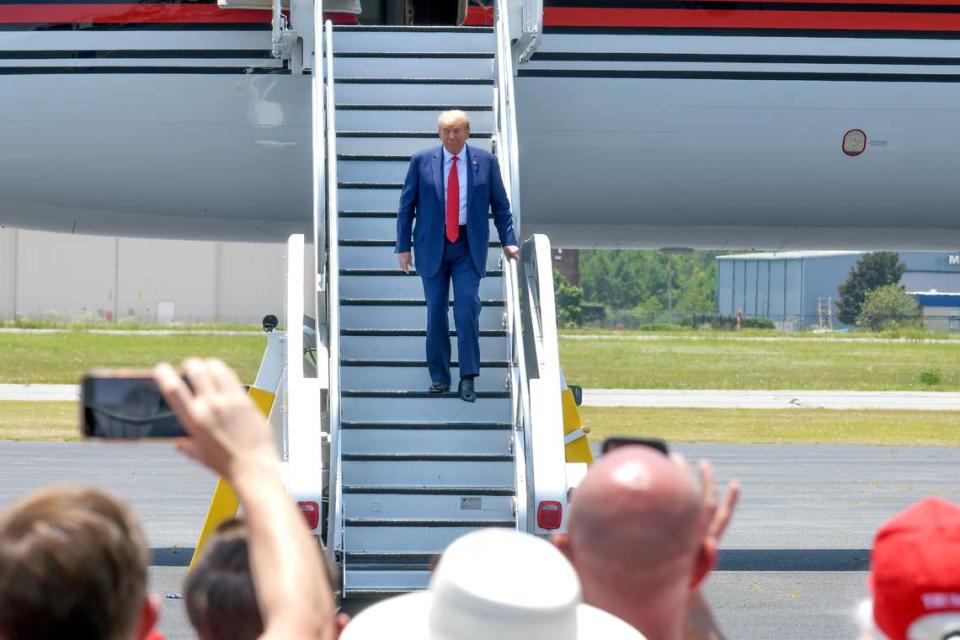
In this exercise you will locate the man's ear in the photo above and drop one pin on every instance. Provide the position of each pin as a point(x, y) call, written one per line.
point(704, 563)
point(562, 542)
point(148, 616)
point(340, 621)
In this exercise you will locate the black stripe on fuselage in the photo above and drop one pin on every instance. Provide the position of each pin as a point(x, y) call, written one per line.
point(738, 58)
point(40, 71)
point(139, 54)
point(795, 76)
point(751, 32)
point(136, 26)
point(727, 5)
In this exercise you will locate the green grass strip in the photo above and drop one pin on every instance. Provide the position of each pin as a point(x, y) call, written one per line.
point(62, 358)
point(722, 363)
point(788, 426)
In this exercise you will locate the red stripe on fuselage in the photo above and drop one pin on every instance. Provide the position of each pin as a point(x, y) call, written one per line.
point(748, 19)
point(127, 13)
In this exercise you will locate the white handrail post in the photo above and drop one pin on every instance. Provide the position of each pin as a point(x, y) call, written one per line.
point(335, 542)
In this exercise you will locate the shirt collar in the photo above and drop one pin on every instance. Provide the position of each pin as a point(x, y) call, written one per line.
point(462, 155)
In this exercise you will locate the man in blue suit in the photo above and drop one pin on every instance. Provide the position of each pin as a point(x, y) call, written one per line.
point(447, 196)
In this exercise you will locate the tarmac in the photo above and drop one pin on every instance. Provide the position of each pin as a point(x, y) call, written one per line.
point(792, 564)
point(654, 398)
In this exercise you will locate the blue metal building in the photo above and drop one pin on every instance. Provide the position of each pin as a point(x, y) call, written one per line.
point(798, 289)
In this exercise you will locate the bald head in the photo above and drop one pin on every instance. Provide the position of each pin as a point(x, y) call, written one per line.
point(636, 510)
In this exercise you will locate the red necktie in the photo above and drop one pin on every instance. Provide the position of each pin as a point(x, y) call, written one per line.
point(453, 202)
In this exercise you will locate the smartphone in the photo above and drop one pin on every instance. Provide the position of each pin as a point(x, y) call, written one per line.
point(125, 404)
point(617, 441)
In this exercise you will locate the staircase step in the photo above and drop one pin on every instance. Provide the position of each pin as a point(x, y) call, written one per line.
point(395, 376)
point(430, 490)
point(427, 426)
point(440, 474)
point(412, 333)
point(479, 80)
point(427, 457)
point(409, 539)
point(417, 55)
point(450, 508)
point(370, 316)
point(404, 302)
point(411, 347)
point(381, 228)
point(387, 242)
point(413, 39)
point(429, 68)
point(426, 522)
point(378, 142)
point(397, 273)
point(383, 582)
point(390, 119)
point(436, 409)
point(370, 167)
point(410, 441)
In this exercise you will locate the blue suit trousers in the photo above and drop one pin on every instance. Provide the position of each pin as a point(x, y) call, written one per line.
point(457, 266)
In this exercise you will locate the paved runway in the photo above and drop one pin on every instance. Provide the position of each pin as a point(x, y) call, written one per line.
point(656, 398)
point(793, 562)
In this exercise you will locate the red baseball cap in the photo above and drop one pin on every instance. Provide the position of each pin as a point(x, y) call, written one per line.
point(915, 568)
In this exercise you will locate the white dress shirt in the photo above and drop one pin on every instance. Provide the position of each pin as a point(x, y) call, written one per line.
point(461, 179)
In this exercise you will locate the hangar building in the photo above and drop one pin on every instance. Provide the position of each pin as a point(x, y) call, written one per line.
point(798, 289)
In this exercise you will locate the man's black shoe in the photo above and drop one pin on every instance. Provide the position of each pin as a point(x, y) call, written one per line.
point(439, 387)
point(467, 394)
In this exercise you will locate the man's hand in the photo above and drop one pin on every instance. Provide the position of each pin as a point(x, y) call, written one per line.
point(228, 432)
point(512, 252)
point(405, 260)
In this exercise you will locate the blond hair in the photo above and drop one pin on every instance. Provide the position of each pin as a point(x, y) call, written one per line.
point(453, 116)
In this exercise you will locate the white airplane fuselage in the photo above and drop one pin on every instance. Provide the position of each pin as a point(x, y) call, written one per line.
point(629, 136)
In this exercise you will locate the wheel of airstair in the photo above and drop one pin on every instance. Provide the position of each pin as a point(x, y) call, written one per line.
point(418, 470)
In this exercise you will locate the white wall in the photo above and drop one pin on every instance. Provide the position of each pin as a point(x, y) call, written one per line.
point(61, 276)
point(8, 272)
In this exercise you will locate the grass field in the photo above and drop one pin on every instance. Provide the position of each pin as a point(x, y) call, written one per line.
point(685, 361)
point(721, 362)
point(39, 421)
point(791, 426)
point(63, 357)
point(58, 421)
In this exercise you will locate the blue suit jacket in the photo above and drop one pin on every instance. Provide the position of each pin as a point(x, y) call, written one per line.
point(422, 211)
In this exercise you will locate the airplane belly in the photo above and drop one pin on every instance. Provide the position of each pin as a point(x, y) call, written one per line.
point(192, 145)
point(738, 142)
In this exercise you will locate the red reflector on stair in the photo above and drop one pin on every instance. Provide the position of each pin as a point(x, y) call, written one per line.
point(311, 513)
point(549, 515)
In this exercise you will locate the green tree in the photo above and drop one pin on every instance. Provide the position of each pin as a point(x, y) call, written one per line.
point(887, 307)
point(872, 271)
point(628, 279)
point(569, 300)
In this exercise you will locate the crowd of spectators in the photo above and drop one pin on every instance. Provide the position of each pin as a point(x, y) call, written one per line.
point(642, 537)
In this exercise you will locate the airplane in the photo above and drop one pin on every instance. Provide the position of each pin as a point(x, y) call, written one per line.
point(642, 123)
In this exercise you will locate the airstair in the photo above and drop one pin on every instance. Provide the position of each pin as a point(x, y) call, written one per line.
point(400, 472)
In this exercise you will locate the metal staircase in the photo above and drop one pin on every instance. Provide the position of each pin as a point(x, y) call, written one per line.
point(417, 470)
point(394, 473)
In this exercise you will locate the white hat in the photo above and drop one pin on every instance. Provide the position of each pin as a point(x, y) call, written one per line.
point(493, 584)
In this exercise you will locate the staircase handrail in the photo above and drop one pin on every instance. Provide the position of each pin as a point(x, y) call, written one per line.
point(335, 510)
point(531, 323)
point(304, 436)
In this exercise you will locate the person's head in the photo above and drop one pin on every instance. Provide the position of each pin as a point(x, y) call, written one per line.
point(219, 592)
point(493, 583)
point(915, 575)
point(73, 564)
point(637, 536)
point(454, 129)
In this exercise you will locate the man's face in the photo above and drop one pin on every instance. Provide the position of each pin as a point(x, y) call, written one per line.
point(453, 135)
